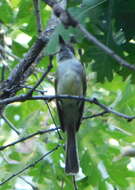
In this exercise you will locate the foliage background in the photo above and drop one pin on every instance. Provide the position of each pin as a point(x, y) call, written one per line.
point(101, 140)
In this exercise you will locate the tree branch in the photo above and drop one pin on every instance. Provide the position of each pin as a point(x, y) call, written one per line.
point(31, 87)
point(19, 74)
point(9, 53)
point(30, 184)
point(105, 48)
point(23, 98)
point(41, 132)
point(60, 137)
point(29, 166)
point(95, 115)
point(74, 183)
point(40, 80)
point(10, 124)
point(68, 20)
point(38, 16)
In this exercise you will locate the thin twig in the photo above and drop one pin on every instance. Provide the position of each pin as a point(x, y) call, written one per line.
point(38, 16)
point(122, 131)
point(103, 113)
point(60, 137)
point(28, 137)
point(40, 80)
point(26, 181)
point(3, 72)
point(74, 183)
point(62, 184)
point(10, 124)
point(95, 115)
point(29, 166)
point(38, 83)
point(31, 87)
point(9, 53)
point(2, 54)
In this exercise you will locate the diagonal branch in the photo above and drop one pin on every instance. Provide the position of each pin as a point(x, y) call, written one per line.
point(30, 184)
point(105, 48)
point(95, 115)
point(68, 20)
point(10, 124)
point(9, 53)
point(40, 80)
point(29, 166)
point(41, 132)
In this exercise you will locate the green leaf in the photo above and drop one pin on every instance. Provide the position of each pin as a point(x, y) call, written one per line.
point(6, 13)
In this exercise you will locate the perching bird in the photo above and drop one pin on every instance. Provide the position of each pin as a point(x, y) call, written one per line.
point(70, 80)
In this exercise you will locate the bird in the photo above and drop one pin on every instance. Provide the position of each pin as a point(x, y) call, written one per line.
point(70, 80)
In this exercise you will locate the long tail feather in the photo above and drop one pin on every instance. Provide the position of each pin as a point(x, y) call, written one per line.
point(72, 165)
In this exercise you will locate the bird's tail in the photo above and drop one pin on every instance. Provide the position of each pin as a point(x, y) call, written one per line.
point(72, 165)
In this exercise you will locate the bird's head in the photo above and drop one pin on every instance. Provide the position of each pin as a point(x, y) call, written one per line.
point(66, 50)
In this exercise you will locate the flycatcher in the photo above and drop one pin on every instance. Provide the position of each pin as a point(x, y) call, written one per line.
point(70, 80)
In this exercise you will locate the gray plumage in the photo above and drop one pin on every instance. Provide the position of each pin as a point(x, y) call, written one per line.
point(70, 80)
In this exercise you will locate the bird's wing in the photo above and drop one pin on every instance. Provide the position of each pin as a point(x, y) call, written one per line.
point(59, 108)
point(81, 103)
